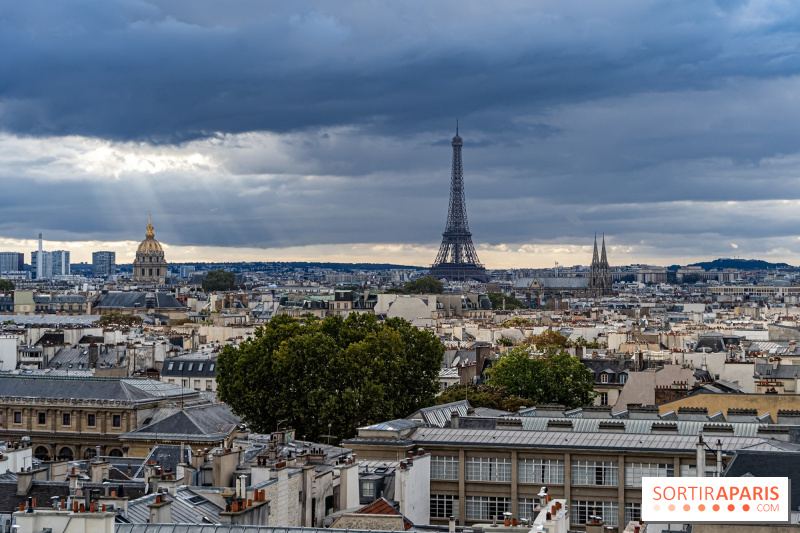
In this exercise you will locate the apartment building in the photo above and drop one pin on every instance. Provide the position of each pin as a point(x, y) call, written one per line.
point(494, 467)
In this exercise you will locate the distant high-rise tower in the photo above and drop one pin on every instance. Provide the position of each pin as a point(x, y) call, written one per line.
point(103, 264)
point(457, 259)
point(599, 272)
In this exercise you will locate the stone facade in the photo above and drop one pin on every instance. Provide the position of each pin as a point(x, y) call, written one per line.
point(150, 267)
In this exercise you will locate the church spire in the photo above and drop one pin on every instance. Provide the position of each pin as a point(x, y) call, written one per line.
point(150, 233)
point(595, 256)
point(603, 257)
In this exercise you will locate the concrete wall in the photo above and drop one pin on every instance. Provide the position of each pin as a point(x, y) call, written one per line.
point(8, 353)
point(413, 490)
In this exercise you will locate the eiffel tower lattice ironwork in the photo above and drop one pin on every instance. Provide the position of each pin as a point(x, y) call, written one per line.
point(457, 259)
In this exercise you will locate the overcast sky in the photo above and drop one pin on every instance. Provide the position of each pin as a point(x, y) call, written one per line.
point(321, 131)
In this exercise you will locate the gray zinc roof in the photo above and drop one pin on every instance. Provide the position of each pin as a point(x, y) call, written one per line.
point(111, 389)
point(575, 440)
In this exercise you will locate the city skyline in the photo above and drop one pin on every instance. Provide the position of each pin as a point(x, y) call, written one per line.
point(314, 131)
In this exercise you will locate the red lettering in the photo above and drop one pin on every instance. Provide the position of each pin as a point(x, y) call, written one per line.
point(745, 494)
point(709, 493)
point(681, 493)
point(692, 489)
point(657, 491)
point(757, 493)
point(721, 494)
point(669, 497)
point(733, 492)
point(774, 492)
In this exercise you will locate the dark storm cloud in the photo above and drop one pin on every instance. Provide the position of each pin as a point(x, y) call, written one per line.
point(173, 71)
point(669, 125)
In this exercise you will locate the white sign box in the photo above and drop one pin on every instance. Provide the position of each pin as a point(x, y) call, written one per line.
point(715, 499)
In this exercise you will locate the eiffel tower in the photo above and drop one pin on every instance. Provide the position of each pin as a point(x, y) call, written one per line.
point(457, 259)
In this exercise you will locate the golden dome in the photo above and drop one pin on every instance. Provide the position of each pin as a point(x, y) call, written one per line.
point(150, 245)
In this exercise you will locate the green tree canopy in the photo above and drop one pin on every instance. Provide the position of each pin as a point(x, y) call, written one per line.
point(219, 280)
point(115, 318)
point(546, 339)
point(483, 396)
point(6, 285)
point(555, 378)
point(328, 377)
point(424, 285)
point(511, 303)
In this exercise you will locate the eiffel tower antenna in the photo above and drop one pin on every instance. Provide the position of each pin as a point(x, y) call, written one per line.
point(457, 259)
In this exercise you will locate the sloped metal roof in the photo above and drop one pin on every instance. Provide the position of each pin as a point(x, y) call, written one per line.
point(685, 427)
point(579, 440)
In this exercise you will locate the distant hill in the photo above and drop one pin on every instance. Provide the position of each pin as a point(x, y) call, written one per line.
point(741, 264)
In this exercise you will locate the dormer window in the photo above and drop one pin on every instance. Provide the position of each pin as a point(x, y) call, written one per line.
point(603, 378)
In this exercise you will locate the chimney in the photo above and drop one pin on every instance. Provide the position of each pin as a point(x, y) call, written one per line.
point(452, 524)
point(701, 457)
point(454, 419)
point(161, 510)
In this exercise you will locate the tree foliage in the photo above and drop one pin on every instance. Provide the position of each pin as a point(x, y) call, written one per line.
point(219, 280)
point(115, 318)
point(6, 285)
point(483, 396)
point(511, 303)
point(554, 378)
point(328, 377)
point(424, 285)
point(546, 339)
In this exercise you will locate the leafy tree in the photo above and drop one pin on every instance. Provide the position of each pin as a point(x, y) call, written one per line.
point(511, 303)
point(546, 339)
point(518, 322)
point(6, 285)
point(554, 378)
point(483, 396)
point(505, 341)
point(424, 285)
point(328, 377)
point(219, 280)
point(115, 318)
point(580, 341)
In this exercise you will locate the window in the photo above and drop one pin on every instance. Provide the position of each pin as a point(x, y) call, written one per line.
point(525, 508)
point(633, 512)
point(180, 366)
point(691, 470)
point(170, 380)
point(488, 469)
point(582, 510)
point(444, 506)
point(623, 378)
point(116, 421)
point(212, 366)
point(65, 419)
point(367, 489)
point(209, 384)
point(595, 473)
point(142, 272)
point(91, 420)
point(42, 419)
point(200, 367)
point(151, 270)
point(603, 398)
point(634, 472)
point(191, 365)
point(540, 471)
point(604, 378)
point(169, 366)
point(18, 417)
point(444, 467)
point(486, 507)
point(197, 384)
